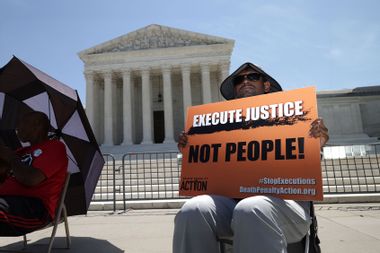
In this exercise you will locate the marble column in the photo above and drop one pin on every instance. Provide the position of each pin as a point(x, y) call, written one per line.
point(206, 83)
point(186, 87)
point(108, 110)
point(168, 104)
point(90, 98)
point(146, 106)
point(127, 107)
point(224, 71)
point(356, 115)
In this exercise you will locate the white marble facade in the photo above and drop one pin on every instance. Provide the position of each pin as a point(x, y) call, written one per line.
point(138, 85)
point(352, 116)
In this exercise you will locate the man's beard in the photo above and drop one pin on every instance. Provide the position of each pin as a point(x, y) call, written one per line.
point(247, 93)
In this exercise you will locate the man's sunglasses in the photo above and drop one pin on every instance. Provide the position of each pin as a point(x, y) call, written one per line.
point(249, 77)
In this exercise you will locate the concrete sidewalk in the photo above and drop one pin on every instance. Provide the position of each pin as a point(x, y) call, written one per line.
point(343, 228)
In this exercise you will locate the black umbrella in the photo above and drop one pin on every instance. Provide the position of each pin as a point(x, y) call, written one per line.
point(24, 88)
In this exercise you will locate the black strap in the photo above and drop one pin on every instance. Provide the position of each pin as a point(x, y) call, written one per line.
point(314, 240)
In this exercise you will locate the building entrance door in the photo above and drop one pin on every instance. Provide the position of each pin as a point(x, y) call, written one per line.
point(159, 126)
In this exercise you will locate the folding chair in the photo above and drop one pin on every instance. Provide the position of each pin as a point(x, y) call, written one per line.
point(309, 244)
point(60, 216)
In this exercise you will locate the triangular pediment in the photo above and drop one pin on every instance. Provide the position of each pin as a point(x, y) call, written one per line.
point(154, 37)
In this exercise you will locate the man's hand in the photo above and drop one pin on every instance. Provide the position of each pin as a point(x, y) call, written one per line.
point(182, 141)
point(319, 130)
point(24, 174)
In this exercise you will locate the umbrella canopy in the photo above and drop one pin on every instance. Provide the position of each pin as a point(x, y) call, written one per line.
point(24, 88)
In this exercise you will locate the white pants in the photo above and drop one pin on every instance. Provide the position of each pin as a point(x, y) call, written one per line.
point(259, 224)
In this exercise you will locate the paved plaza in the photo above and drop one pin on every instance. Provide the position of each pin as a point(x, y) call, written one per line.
point(343, 228)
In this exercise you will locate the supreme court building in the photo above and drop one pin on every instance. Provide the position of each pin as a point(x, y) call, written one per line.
point(139, 85)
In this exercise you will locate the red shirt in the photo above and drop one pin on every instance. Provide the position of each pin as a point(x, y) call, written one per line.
point(50, 158)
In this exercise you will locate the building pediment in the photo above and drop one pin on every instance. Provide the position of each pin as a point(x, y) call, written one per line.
point(155, 37)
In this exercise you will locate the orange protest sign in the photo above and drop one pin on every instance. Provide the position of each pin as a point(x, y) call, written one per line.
point(254, 146)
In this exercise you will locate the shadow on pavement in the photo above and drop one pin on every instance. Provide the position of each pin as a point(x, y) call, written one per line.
point(78, 245)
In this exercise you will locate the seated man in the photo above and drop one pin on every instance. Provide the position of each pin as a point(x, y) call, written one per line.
point(257, 224)
point(34, 179)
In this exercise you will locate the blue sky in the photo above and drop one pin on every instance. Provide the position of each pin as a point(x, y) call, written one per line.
point(329, 44)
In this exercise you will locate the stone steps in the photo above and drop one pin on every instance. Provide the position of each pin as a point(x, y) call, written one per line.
point(135, 188)
point(357, 173)
point(144, 180)
point(329, 185)
point(131, 195)
point(177, 203)
point(351, 180)
point(152, 192)
point(162, 179)
point(175, 173)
